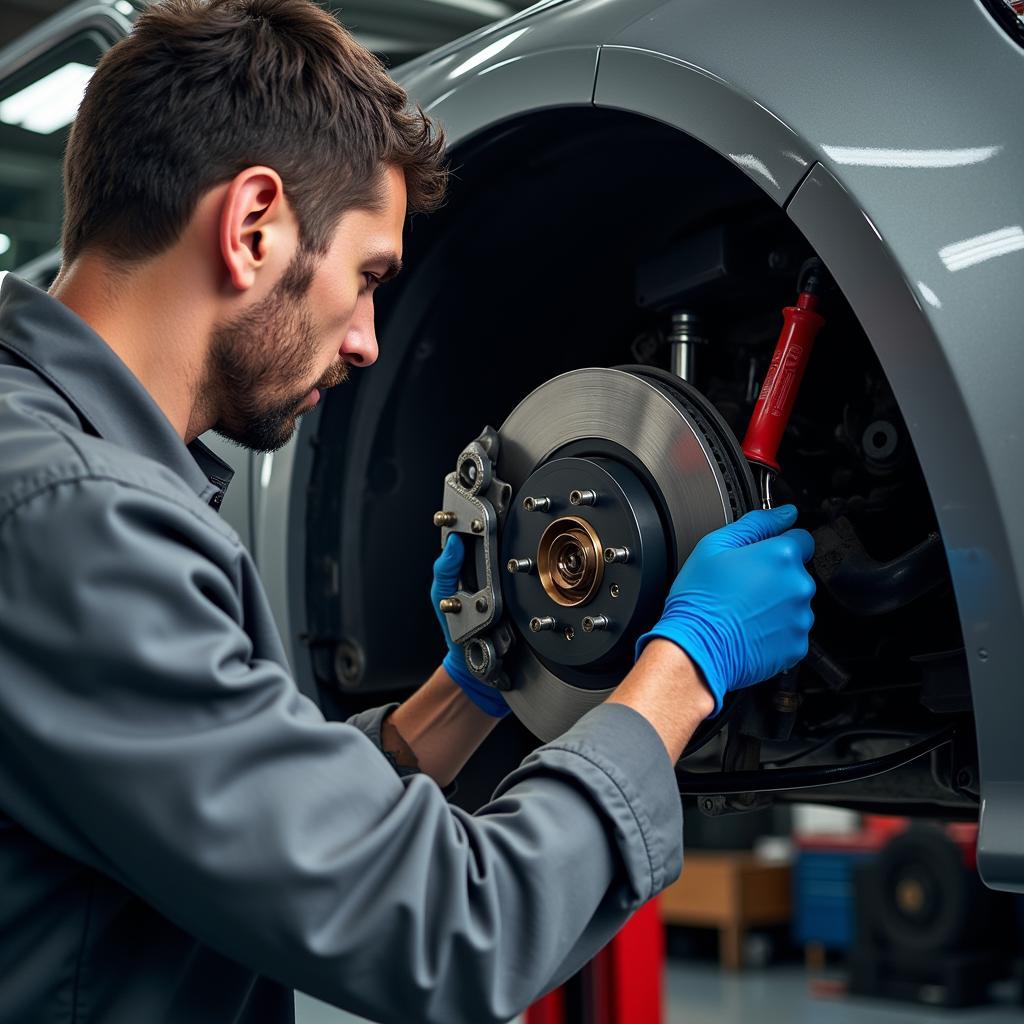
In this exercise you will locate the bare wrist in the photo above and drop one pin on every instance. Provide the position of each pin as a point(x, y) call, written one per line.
point(667, 688)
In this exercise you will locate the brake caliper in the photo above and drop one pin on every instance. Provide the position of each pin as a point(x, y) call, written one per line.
point(475, 505)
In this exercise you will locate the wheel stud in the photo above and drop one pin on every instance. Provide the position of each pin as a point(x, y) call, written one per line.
point(537, 504)
point(592, 622)
point(540, 623)
point(583, 497)
point(616, 555)
point(520, 565)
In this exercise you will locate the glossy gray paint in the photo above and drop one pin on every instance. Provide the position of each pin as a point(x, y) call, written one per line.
point(707, 107)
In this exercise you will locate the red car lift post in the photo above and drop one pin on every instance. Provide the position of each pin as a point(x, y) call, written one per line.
point(623, 984)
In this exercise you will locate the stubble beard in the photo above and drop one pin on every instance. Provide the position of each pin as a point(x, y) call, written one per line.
point(260, 359)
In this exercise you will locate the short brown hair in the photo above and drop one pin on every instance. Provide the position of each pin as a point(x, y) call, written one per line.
point(202, 89)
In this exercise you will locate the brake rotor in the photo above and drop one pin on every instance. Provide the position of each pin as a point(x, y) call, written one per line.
point(616, 474)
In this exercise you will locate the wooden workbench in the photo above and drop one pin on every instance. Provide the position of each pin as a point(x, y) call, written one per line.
point(732, 892)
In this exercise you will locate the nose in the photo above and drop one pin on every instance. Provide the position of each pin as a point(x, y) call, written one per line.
point(360, 345)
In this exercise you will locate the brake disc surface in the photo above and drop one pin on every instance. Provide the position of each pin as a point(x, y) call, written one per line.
point(651, 430)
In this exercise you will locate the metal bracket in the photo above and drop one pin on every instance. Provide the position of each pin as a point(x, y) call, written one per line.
point(474, 506)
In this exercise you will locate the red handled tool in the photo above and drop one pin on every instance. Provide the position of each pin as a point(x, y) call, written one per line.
point(800, 327)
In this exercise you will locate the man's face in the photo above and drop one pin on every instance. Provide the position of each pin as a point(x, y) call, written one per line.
point(269, 364)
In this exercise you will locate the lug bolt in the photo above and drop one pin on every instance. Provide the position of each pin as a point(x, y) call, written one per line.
point(615, 590)
point(537, 504)
point(583, 497)
point(477, 526)
point(450, 605)
point(592, 622)
point(616, 555)
point(444, 518)
point(540, 623)
point(520, 565)
point(481, 604)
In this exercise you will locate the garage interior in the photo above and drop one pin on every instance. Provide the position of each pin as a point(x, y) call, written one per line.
point(861, 908)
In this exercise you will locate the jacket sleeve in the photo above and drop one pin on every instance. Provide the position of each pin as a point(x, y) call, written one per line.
point(140, 735)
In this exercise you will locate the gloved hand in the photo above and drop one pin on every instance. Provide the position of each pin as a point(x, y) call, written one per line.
point(741, 605)
point(446, 583)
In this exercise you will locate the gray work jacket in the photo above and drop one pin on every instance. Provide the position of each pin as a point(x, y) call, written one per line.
point(183, 837)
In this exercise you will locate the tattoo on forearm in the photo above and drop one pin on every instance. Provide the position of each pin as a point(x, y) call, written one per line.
point(396, 750)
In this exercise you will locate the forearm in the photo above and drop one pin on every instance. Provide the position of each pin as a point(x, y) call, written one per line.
point(666, 688)
point(437, 729)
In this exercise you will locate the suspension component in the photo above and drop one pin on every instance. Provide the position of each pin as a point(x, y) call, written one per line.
point(801, 324)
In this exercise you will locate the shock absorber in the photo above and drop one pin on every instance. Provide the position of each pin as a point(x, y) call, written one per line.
point(800, 326)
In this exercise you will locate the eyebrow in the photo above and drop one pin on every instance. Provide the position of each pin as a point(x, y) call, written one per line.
point(390, 260)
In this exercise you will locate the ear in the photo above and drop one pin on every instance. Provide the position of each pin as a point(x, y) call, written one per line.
point(256, 225)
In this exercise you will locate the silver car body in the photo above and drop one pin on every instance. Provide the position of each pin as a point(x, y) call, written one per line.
point(890, 135)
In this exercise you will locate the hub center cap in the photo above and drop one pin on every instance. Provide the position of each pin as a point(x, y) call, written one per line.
point(570, 561)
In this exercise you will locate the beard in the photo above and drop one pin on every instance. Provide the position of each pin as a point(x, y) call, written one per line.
point(260, 360)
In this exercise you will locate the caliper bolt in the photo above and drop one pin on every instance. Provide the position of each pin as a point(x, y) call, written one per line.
point(478, 657)
point(520, 565)
point(583, 497)
point(450, 605)
point(444, 518)
point(477, 526)
point(592, 622)
point(481, 604)
point(537, 504)
point(616, 555)
point(540, 623)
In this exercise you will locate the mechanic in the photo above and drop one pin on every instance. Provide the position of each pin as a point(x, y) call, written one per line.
point(183, 837)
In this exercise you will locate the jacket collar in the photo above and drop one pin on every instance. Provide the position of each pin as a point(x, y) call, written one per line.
point(106, 395)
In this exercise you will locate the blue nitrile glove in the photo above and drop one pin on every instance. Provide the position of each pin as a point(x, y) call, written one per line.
point(446, 583)
point(741, 605)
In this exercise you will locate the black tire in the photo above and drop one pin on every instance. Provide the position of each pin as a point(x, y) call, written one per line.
point(920, 892)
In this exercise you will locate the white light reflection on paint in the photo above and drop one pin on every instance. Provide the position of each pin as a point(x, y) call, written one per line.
point(489, 51)
point(753, 163)
point(970, 251)
point(871, 156)
point(485, 8)
point(928, 295)
point(266, 469)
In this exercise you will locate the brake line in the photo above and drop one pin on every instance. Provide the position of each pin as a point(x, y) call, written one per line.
point(778, 779)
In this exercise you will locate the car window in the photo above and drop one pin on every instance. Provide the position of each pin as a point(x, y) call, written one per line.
point(37, 106)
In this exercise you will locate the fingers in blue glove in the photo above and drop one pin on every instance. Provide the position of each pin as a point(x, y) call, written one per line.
point(755, 526)
point(447, 568)
point(799, 544)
